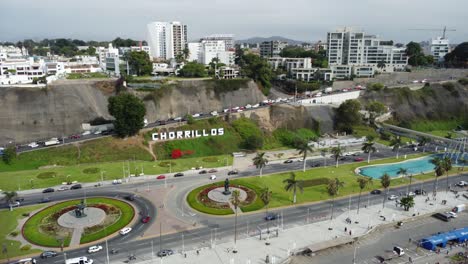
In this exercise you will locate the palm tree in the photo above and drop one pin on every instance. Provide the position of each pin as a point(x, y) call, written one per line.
point(395, 143)
point(438, 170)
point(337, 152)
point(407, 202)
point(447, 166)
point(368, 147)
point(333, 188)
point(260, 161)
point(9, 197)
point(303, 147)
point(363, 182)
point(265, 195)
point(381, 64)
point(423, 141)
point(404, 172)
point(235, 201)
point(385, 181)
point(294, 185)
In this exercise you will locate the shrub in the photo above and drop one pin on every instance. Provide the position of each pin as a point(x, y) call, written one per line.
point(25, 248)
point(315, 182)
point(376, 87)
point(26, 214)
point(176, 153)
point(14, 233)
point(91, 170)
point(463, 81)
point(46, 175)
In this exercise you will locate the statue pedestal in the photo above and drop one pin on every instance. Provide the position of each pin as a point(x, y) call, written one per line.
point(226, 192)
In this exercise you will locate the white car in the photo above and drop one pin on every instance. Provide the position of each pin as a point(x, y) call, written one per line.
point(393, 197)
point(63, 188)
point(226, 110)
point(125, 231)
point(86, 133)
point(94, 249)
point(196, 115)
point(452, 214)
point(98, 132)
point(178, 118)
point(119, 181)
point(33, 145)
point(213, 177)
point(412, 194)
point(235, 108)
point(248, 106)
point(214, 113)
point(14, 204)
point(255, 105)
point(462, 183)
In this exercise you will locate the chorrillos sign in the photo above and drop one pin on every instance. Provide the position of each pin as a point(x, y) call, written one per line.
point(171, 135)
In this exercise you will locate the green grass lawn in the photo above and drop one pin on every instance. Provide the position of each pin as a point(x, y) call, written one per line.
point(40, 178)
point(89, 75)
point(318, 192)
point(9, 221)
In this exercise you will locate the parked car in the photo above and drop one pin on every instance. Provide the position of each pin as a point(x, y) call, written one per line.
point(412, 194)
point(48, 254)
point(202, 172)
point(393, 197)
point(212, 171)
point(419, 191)
point(462, 183)
point(63, 188)
point(117, 181)
point(76, 187)
point(376, 191)
point(146, 219)
point(213, 177)
point(271, 216)
point(179, 174)
point(452, 214)
point(233, 172)
point(125, 231)
point(161, 177)
point(94, 249)
point(48, 190)
point(165, 252)
point(288, 161)
point(358, 159)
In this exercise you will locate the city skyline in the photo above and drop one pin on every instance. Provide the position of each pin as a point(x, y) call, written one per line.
point(297, 19)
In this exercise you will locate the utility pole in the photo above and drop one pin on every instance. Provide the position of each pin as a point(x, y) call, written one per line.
point(152, 250)
point(107, 253)
point(160, 236)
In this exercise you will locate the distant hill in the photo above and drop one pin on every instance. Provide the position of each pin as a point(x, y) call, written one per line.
point(254, 40)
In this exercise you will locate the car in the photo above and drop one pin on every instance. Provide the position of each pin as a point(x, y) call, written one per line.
point(178, 118)
point(212, 171)
point(202, 172)
point(125, 231)
point(76, 187)
point(255, 105)
point(462, 184)
point(63, 188)
point(161, 177)
point(48, 254)
point(271, 216)
point(86, 133)
point(145, 219)
point(195, 115)
point(14, 204)
point(165, 253)
point(45, 200)
point(343, 158)
point(130, 197)
point(393, 197)
point(214, 113)
point(94, 249)
point(98, 132)
point(48, 190)
point(33, 145)
point(412, 194)
point(233, 172)
point(117, 181)
point(213, 177)
point(376, 191)
point(358, 159)
point(179, 174)
point(399, 251)
point(288, 161)
point(419, 191)
point(452, 214)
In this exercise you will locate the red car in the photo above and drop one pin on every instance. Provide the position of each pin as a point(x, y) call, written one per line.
point(145, 219)
point(212, 171)
point(359, 159)
point(161, 177)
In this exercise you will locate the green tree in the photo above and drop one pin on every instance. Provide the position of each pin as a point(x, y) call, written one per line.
point(140, 63)
point(9, 197)
point(404, 173)
point(416, 55)
point(129, 113)
point(303, 147)
point(381, 64)
point(337, 152)
point(368, 147)
point(363, 183)
point(396, 144)
point(438, 170)
point(193, 69)
point(91, 51)
point(407, 202)
point(258, 69)
point(9, 154)
point(458, 57)
point(291, 184)
point(347, 116)
point(385, 181)
point(235, 201)
point(447, 166)
point(260, 161)
point(333, 188)
point(266, 195)
point(375, 109)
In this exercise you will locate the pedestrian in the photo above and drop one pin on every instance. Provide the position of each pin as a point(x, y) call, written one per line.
point(346, 229)
point(198, 252)
point(350, 232)
point(185, 255)
point(267, 259)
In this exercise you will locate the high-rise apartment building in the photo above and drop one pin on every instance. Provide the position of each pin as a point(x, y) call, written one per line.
point(166, 39)
point(272, 48)
point(214, 46)
point(363, 54)
point(439, 48)
point(228, 40)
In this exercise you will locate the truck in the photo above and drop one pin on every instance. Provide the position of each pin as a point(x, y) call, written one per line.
point(459, 208)
point(51, 142)
point(80, 260)
point(389, 255)
point(328, 90)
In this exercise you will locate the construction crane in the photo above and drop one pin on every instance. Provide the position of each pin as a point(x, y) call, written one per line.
point(435, 29)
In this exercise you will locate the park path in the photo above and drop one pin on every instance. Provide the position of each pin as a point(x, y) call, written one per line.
point(76, 237)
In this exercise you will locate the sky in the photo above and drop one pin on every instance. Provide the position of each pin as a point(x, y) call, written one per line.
point(305, 20)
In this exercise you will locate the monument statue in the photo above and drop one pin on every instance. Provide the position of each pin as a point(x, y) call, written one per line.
point(79, 211)
point(226, 187)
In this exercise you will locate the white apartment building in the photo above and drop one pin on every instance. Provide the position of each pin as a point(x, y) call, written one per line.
point(166, 39)
point(227, 38)
point(364, 54)
point(21, 71)
point(272, 48)
point(12, 52)
point(439, 48)
point(206, 50)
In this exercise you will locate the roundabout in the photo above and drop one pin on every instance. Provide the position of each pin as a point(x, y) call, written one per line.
point(75, 222)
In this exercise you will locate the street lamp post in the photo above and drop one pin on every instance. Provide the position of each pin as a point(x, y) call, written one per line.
point(355, 251)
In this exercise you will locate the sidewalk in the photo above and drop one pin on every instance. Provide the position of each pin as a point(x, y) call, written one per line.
point(253, 250)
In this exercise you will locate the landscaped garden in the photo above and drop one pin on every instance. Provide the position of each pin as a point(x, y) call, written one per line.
point(43, 229)
point(314, 182)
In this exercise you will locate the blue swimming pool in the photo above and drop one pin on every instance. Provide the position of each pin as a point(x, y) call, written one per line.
point(414, 166)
